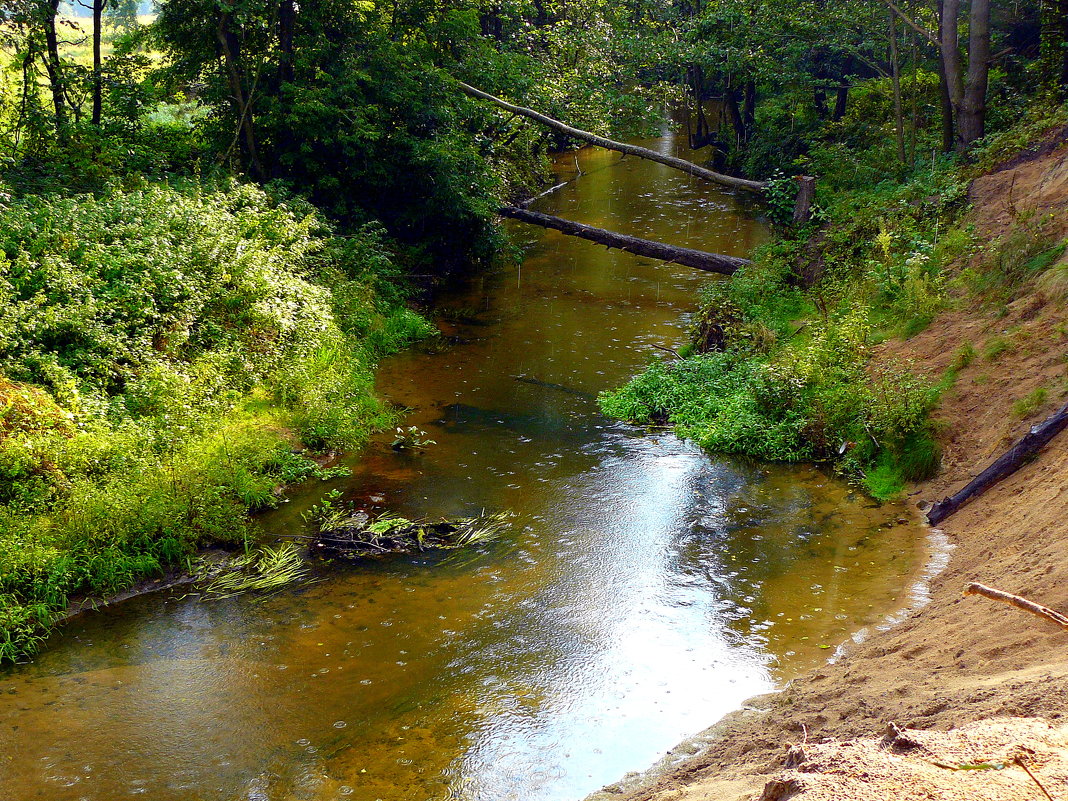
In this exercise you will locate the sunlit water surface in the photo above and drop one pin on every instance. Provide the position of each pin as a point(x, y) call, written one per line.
point(645, 590)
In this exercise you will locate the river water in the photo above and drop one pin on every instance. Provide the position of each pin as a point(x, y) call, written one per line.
point(645, 590)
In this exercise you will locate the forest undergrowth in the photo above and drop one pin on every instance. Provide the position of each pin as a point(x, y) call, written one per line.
point(783, 364)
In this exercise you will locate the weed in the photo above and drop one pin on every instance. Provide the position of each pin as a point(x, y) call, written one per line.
point(996, 347)
point(1030, 403)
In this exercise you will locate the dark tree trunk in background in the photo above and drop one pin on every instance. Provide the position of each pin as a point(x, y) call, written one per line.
point(971, 114)
point(230, 48)
point(734, 115)
point(54, 67)
point(841, 102)
point(287, 20)
point(948, 17)
point(98, 77)
point(945, 98)
point(819, 100)
point(749, 108)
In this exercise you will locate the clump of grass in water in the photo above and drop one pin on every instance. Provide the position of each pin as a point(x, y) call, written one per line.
point(265, 569)
point(346, 531)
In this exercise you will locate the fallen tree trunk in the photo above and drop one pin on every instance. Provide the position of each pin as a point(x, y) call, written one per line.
point(1009, 462)
point(620, 147)
point(698, 259)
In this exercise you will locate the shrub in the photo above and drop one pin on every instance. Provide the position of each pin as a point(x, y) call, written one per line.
point(162, 350)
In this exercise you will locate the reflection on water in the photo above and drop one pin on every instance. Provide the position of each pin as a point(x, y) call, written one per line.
point(645, 591)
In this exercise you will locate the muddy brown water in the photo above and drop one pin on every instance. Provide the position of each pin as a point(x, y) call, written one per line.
point(645, 590)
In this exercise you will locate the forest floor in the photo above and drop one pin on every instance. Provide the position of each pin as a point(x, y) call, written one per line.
point(972, 685)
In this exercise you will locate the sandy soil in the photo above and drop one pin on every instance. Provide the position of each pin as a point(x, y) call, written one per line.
point(954, 671)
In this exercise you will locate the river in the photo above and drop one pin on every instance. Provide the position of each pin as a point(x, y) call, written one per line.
point(645, 590)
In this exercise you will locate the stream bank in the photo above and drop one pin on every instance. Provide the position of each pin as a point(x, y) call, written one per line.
point(959, 663)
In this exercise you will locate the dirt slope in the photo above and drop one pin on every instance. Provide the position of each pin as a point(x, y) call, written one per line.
point(958, 660)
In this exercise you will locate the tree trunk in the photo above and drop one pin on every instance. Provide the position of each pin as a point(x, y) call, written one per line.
point(54, 67)
point(951, 62)
point(971, 116)
point(98, 77)
point(819, 101)
point(698, 259)
point(231, 52)
point(914, 95)
point(806, 193)
point(287, 17)
point(895, 72)
point(749, 108)
point(945, 97)
point(620, 147)
point(734, 115)
point(1009, 462)
point(841, 101)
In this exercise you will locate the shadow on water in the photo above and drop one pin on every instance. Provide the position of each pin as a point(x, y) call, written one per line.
point(645, 590)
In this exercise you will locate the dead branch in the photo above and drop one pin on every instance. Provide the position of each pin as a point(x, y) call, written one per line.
point(1009, 462)
point(672, 351)
point(698, 259)
point(1019, 761)
point(610, 144)
point(1020, 603)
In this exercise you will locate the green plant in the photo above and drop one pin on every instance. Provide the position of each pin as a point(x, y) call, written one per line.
point(411, 438)
point(996, 347)
point(1030, 403)
point(779, 197)
point(162, 352)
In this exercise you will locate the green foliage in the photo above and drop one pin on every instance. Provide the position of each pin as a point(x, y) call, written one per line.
point(161, 350)
point(996, 347)
point(779, 197)
point(1030, 403)
point(810, 397)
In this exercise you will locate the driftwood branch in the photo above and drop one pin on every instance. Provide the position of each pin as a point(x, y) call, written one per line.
point(1009, 462)
point(672, 351)
point(698, 259)
point(1020, 603)
point(620, 147)
point(1019, 761)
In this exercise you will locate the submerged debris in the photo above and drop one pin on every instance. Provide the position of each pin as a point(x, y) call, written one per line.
point(264, 569)
point(351, 533)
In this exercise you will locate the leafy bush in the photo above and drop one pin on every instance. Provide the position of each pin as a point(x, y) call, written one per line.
point(162, 350)
point(811, 397)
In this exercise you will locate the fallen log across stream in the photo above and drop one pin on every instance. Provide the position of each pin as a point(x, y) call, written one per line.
point(620, 147)
point(698, 259)
point(1008, 463)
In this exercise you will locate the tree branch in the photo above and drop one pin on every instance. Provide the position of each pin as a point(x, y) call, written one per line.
point(922, 31)
point(1020, 603)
